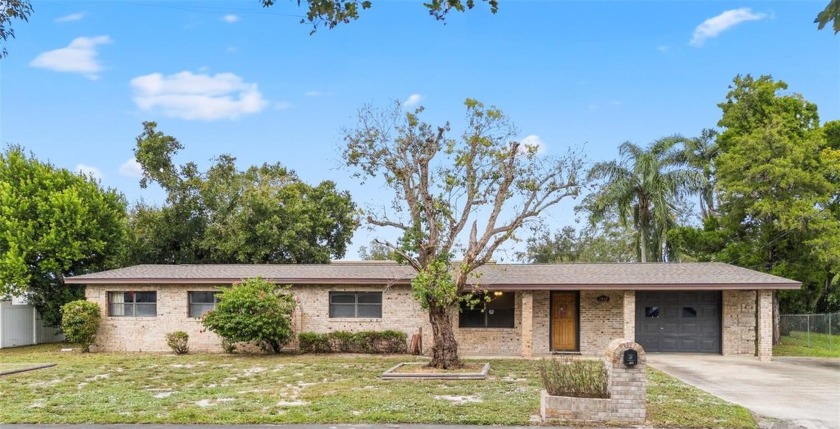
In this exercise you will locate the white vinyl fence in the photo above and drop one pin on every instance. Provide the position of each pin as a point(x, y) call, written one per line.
point(20, 325)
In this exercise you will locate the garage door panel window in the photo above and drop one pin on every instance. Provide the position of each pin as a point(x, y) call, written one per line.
point(366, 305)
point(652, 312)
point(689, 312)
point(132, 304)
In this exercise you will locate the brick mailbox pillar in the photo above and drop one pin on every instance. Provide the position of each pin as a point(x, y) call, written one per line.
point(628, 384)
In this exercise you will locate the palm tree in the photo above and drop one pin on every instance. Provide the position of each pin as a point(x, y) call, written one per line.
point(700, 154)
point(645, 187)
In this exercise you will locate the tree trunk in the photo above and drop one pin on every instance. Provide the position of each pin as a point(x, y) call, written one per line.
point(444, 347)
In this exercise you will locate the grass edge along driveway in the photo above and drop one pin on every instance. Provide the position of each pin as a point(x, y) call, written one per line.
point(227, 389)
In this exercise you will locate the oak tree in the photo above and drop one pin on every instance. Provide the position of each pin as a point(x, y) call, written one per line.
point(53, 223)
point(453, 197)
point(263, 214)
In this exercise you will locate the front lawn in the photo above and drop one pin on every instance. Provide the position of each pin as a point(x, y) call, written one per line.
point(211, 388)
point(811, 345)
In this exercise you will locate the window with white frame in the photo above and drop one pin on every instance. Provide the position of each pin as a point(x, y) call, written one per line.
point(132, 304)
point(356, 304)
point(202, 302)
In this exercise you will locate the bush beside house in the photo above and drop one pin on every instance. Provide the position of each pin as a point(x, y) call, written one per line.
point(353, 342)
point(80, 321)
point(254, 311)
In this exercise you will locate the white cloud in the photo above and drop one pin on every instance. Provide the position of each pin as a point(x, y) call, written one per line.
point(412, 100)
point(230, 19)
point(198, 96)
point(89, 171)
point(131, 168)
point(534, 141)
point(712, 27)
point(78, 57)
point(72, 17)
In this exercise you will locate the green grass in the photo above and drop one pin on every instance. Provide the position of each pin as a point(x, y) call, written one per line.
point(223, 389)
point(811, 345)
point(672, 403)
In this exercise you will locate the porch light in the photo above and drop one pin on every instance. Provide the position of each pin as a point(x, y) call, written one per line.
point(497, 293)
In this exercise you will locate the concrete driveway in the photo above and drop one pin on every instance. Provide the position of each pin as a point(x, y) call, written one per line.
point(798, 392)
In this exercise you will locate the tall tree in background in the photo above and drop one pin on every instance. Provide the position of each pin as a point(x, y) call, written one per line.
point(778, 181)
point(377, 251)
point(608, 241)
point(776, 185)
point(53, 224)
point(700, 154)
point(644, 190)
point(484, 185)
point(9, 10)
point(263, 214)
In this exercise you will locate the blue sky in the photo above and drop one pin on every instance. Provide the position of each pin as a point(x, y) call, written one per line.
point(233, 77)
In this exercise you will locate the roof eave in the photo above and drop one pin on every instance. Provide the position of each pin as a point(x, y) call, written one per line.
point(231, 280)
point(644, 287)
point(380, 281)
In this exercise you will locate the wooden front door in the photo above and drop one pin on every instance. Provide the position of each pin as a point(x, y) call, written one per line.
point(564, 313)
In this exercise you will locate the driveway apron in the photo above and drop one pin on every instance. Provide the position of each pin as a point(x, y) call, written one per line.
point(800, 392)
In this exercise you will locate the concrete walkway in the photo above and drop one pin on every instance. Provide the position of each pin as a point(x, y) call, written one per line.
point(798, 392)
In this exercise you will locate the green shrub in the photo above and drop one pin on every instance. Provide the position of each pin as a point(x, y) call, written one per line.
point(353, 342)
point(574, 377)
point(311, 342)
point(79, 321)
point(177, 341)
point(254, 311)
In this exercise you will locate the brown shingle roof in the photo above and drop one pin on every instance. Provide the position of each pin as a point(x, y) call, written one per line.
point(651, 276)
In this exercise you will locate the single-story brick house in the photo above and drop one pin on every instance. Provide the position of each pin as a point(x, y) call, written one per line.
point(535, 309)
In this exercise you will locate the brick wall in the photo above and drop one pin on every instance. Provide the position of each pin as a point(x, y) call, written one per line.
point(491, 341)
point(600, 322)
point(147, 333)
point(738, 322)
point(399, 312)
point(542, 323)
point(764, 328)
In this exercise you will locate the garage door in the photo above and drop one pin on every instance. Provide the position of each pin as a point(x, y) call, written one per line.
point(678, 321)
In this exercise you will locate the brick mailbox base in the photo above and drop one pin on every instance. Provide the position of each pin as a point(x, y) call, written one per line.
point(627, 387)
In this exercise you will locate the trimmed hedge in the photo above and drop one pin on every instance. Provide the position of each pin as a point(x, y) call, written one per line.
point(353, 342)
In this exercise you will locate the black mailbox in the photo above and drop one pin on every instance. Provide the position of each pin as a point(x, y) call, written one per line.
point(630, 358)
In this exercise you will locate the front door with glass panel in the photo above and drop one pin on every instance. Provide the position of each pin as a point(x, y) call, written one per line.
point(564, 321)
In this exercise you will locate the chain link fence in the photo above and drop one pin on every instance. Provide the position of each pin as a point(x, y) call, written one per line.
point(812, 329)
